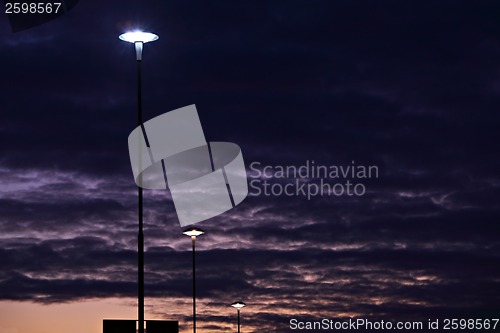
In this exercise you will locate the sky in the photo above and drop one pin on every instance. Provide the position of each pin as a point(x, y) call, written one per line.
point(411, 88)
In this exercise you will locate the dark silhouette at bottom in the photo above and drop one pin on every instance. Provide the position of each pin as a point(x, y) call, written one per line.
point(129, 326)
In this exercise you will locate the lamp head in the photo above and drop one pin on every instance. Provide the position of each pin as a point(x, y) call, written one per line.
point(193, 232)
point(138, 37)
point(238, 305)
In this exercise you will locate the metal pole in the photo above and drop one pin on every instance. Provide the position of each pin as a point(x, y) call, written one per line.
point(238, 320)
point(193, 238)
point(140, 237)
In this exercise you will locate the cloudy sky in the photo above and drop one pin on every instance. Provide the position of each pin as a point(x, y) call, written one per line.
point(411, 87)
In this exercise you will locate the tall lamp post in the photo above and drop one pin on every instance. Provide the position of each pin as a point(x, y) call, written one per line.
point(193, 233)
point(139, 38)
point(238, 306)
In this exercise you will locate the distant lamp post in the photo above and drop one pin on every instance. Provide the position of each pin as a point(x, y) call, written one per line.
point(139, 38)
point(238, 306)
point(193, 233)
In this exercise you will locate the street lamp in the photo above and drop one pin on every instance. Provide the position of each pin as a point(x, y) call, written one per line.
point(193, 233)
point(139, 38)
point(238, 306)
